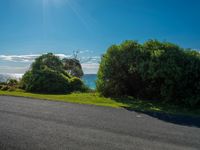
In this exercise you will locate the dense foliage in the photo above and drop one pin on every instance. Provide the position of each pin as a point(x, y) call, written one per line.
point(10, 85)
point(47, 75)
point(73, 67)
point(153, 70)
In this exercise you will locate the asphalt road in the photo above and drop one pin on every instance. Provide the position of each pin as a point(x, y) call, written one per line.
point(27, 124)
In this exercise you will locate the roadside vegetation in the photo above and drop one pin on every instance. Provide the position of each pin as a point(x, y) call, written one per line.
point(154, 70)
point(154, 76)
point(93, 98)
point(48, 74)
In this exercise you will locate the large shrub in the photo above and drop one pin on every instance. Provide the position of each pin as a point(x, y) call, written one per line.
point(153, 70)
point(47, 61)
point(189, 87)
point(162, 69)
point(46, 81)
point(118, 74)
point(47, 75)
point(76, 84)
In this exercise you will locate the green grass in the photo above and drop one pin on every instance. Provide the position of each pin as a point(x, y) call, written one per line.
point(95, 99)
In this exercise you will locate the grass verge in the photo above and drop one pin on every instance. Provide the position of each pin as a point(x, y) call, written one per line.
point(95, 99)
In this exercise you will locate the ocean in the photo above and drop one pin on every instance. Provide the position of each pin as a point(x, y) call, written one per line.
point(88, 79)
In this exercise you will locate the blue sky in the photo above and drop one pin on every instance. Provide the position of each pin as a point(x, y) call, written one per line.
point(29, 28)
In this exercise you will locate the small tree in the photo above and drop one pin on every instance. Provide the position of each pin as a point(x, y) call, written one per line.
point(73, 67)
point(47, 75)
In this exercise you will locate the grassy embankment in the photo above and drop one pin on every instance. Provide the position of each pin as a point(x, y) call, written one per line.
point(95, 99)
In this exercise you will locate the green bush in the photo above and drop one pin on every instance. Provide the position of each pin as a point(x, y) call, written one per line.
point(5, 88)
point(47, 75)
point(2, 83)
point(163, 66)
point(153, 70)
point(12, 88)
point(118, 74)
point(45, 81)
point(12, 82)
point(10, 85)
point(189, 89)
point(76, 83)
point(48, 61)
point(73, 67)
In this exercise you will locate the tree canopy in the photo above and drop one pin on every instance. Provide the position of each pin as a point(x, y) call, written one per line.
point(153, 70)
point(73, 67)
point(48, 75)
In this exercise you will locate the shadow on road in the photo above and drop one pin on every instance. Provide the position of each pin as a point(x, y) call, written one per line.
point(142, 107)
point(175, 119)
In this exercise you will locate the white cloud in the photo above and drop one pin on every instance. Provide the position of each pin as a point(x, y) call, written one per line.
point(85, 51)
point(90, 65)
point(18, 58)
point(13, 69)
point(26, 58)
point(89, 68)
point(63, 56)
point(92, 59)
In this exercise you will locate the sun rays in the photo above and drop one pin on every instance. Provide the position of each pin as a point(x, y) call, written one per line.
point(73, 5)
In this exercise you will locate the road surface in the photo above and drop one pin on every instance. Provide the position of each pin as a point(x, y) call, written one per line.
point(27, 124)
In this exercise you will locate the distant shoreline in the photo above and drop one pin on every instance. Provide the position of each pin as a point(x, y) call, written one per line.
point(89, 79)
